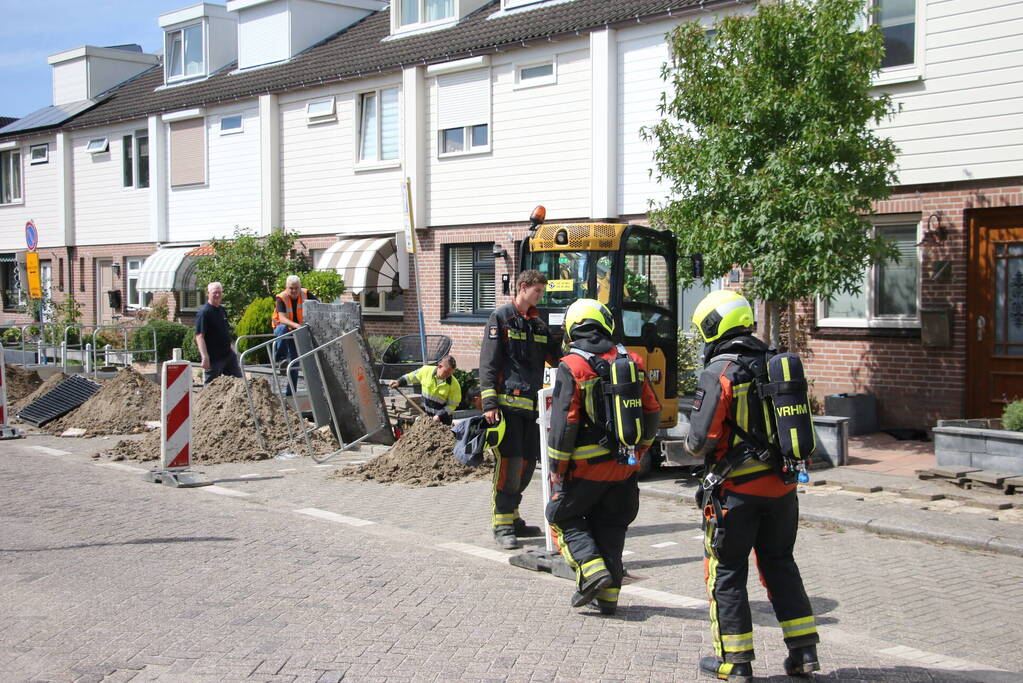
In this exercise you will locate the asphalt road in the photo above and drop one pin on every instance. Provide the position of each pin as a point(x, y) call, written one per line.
point(282, 572)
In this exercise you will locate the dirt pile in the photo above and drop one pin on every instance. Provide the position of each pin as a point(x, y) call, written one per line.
point(223, 430)
point(20, 382)
point(423, 456)
point(123, 405)
point(51, 383)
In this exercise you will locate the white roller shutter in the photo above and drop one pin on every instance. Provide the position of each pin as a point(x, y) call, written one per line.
point(463, 98)
point(188, 152)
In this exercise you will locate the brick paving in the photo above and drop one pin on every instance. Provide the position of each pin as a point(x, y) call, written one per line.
point(106, 577)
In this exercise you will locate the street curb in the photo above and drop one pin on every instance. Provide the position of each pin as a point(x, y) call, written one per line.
point(992, 544)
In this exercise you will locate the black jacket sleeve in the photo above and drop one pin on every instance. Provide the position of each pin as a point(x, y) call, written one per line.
point(566, 412)
point(491, 361)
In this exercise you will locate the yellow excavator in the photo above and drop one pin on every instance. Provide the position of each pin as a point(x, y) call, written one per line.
point(632, 269)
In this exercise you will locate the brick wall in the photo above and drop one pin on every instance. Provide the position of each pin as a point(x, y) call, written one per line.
point(915, 386)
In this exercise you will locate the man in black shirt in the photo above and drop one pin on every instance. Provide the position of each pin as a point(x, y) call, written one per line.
point(213, 337)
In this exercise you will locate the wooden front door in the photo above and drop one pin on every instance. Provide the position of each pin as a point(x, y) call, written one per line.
point(994, 314)
point(104, 283)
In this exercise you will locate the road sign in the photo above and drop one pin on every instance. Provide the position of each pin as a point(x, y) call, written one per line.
point(31, 236)
point(35, 287)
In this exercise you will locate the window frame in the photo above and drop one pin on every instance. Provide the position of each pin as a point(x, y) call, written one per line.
point(130, 274)
point(45, 146)
point(381, 309)
point(131, 160)
point(232, 131)
point(871, 319)
point(536, 81)
point(167, 41)
point(326, 117)
point(18, 300)
point(466, 136)
point(902, 73)
point(98, 145)
point(397, 9)
point(11, 166)
point(478, 266)
point(379, 162)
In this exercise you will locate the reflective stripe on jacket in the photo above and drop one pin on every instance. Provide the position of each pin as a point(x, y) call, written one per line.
point(512, 357)
point(573, 443)
point(294, 314)
point(438, 395)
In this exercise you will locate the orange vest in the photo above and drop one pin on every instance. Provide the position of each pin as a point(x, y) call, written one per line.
point(294, 314)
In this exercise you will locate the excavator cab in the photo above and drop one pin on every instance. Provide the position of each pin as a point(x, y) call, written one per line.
point(632, 269)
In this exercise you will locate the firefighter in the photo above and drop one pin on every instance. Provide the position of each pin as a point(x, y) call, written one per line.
point(594, 488)
point(747, 505)
point(516, 343)
point(441, 392)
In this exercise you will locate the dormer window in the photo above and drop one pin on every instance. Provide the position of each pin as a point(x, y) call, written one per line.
point(424, 11)
point(185, 53)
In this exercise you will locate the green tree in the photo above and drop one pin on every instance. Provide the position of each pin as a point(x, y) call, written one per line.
point(248, 266)
point(766, 142)
point(325, 284)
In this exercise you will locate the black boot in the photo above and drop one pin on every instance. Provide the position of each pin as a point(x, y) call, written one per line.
point(606, 607)
point(523, 530)
point(590, 587)
point(504, 536)
point(738, 672)
point(802, 661)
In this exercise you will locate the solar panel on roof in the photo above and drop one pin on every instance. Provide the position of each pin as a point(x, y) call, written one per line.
point(48, 116)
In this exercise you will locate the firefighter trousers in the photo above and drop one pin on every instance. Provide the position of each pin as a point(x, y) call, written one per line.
point(514, 462)
point(766, 526)
point(589, 520)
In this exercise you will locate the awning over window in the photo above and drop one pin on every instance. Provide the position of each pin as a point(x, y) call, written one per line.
point(366, 264)
point(164, 271)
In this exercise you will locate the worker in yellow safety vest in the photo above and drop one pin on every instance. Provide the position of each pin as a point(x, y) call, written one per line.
point(441, 392)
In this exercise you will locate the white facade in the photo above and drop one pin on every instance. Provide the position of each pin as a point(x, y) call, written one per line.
point(105, 211)
point(231, 195)
point(961, 112)
point(39, 193)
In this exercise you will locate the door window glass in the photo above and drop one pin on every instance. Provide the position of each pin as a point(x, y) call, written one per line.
point(1009, 299)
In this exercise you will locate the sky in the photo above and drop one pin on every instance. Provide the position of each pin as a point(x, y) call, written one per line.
point(31, 30)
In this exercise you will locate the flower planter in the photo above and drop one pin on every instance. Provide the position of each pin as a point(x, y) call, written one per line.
point(978, 443)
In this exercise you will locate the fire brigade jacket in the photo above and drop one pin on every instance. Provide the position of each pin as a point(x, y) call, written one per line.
point(726, 390)
point(573, 443)
point(294, 313)
point(438, 394)
point(515, 347)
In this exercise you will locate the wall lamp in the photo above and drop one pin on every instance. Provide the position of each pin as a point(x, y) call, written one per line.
point(934, 231)
point(499, 252)
point(116, 268)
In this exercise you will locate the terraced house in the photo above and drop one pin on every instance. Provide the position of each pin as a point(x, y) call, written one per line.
point(307, 115)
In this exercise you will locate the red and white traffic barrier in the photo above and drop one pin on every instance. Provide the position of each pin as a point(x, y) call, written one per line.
point(6, 432)
point(176, 428)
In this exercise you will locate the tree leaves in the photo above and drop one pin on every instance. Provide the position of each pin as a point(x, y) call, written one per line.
point(767, 145)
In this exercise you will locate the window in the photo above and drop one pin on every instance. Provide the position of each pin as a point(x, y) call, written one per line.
point(192, 299)
point(897, 19)
point(231, 124)
point(10, 176)
point(378, 125)
point(185, 53)
point(424, 11)
point(464, 112)
point(135, 159)
point(136, 299)
point(39, 154)
point(98, 146)
point(470, 280)
point(889, 296)
point(536, 74)
point(321, 110)
point(188, 152)
point(391, 303)
point(11, 288)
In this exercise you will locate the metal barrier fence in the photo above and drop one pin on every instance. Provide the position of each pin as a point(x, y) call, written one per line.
point(276, 383)
point(42, 340)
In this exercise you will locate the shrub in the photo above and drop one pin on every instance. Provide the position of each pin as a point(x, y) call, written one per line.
point(1012, 418)
point(189, 349)
point(255, 320)
point(325, 285)
point(465, 380)
point(12, 335)
point(169, 335)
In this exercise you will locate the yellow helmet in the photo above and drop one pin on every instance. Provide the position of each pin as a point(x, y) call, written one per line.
point(495, 434)
point(585, 311)
point(721, 312)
